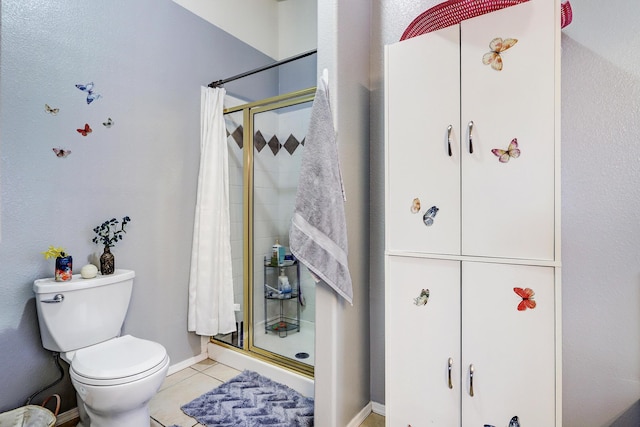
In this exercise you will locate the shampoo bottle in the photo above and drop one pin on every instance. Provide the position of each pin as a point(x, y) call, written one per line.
point(280, 255)
point(275, 254)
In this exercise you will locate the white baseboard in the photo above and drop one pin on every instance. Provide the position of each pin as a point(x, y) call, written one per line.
point(360, 416)
point(370, 407)
point(378, 408)
point(186, 363)
point(67, 416)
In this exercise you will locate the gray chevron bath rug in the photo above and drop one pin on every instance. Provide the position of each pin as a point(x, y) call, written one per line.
point(251, 400)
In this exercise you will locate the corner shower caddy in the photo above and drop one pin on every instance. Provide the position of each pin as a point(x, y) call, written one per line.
point(281, 324)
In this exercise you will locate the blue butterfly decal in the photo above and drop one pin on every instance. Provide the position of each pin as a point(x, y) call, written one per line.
point(513, 423)
point(91, 96)
point(61, 152)
point(430, 215)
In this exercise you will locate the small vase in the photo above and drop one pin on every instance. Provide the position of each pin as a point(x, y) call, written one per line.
point(107, 261)
point(64, 267)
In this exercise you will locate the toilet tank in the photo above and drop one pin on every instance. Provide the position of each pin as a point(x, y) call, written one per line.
point(82, 312)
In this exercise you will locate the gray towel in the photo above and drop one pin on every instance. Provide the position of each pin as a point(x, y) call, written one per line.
point(318, 235)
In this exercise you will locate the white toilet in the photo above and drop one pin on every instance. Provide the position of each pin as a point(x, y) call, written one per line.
point(115, 376)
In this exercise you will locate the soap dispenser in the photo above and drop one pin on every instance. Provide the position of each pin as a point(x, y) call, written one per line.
point(283, 284)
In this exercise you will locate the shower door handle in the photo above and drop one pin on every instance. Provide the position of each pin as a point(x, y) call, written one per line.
point(56, 299)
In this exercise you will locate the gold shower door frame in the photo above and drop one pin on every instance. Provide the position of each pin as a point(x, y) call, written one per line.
point(249, 111)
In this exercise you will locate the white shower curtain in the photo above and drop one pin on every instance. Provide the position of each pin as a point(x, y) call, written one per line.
point(211, 282)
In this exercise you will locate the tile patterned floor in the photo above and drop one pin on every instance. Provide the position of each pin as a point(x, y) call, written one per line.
point(187, 384)
point(373, 420)
point(184, 386)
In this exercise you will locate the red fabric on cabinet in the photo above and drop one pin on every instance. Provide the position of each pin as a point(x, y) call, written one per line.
point(452, 12)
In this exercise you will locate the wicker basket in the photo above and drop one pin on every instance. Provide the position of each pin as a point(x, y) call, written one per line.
point(452, 12)
point(31, 415)
point(28, 416)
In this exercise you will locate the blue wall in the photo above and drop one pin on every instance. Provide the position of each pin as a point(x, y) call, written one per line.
point(148, 59)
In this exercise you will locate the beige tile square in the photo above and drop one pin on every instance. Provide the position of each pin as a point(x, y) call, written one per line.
point(206, 363)
point(176, 377)
point(221, 372)
point(165, 406)
point(373, 420)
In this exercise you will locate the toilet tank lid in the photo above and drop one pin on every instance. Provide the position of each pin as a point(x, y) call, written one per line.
point(43, 286)
point(118, 358)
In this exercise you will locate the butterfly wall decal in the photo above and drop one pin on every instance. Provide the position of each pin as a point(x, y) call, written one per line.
point(497, 46)
point(423, 299)
point(511, 151)
point(108, 123)
point(527, 299)
point(91, 96)
point(61, 152)
point(513, 423)
point(415, 205)
point(86, 130)
point(429, 215)
point(50, 110)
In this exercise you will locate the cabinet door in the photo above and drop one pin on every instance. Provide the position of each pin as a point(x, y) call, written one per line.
point(422, 101)
point(420, 340)
point(512, 351)
point(508, 208)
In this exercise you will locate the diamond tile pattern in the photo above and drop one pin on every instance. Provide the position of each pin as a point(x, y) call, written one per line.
point(274, 144)
point(259, 141)
point(238, 136)
point(291, 144)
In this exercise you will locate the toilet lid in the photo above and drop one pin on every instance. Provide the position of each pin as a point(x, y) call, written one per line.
point(118, 358)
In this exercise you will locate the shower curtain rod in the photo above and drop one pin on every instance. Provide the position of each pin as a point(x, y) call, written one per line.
point(219, 83)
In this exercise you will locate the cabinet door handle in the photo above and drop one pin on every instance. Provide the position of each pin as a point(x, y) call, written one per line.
point(471, 137)
point(449, 368)
point(449, 129)
point(471, 370)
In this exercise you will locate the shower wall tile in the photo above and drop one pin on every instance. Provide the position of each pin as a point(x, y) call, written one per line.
point(264, 177)
point(275, 186)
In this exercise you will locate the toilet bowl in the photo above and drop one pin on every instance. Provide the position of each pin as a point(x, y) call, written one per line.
point(116, 379)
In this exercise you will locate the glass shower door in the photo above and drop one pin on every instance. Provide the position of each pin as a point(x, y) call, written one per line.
point(283, 312)
point(275, 302)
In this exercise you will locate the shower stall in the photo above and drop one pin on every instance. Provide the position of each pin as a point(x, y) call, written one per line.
point(275, 300)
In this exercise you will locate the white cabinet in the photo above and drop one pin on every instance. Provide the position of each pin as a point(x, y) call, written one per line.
point(471, 319)
point(513, 352)
point(420, 341)
point(438, 82)
point(474, 225)
point(422, 100)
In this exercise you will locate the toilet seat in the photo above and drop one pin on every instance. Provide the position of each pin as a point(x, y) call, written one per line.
point(118, 361)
